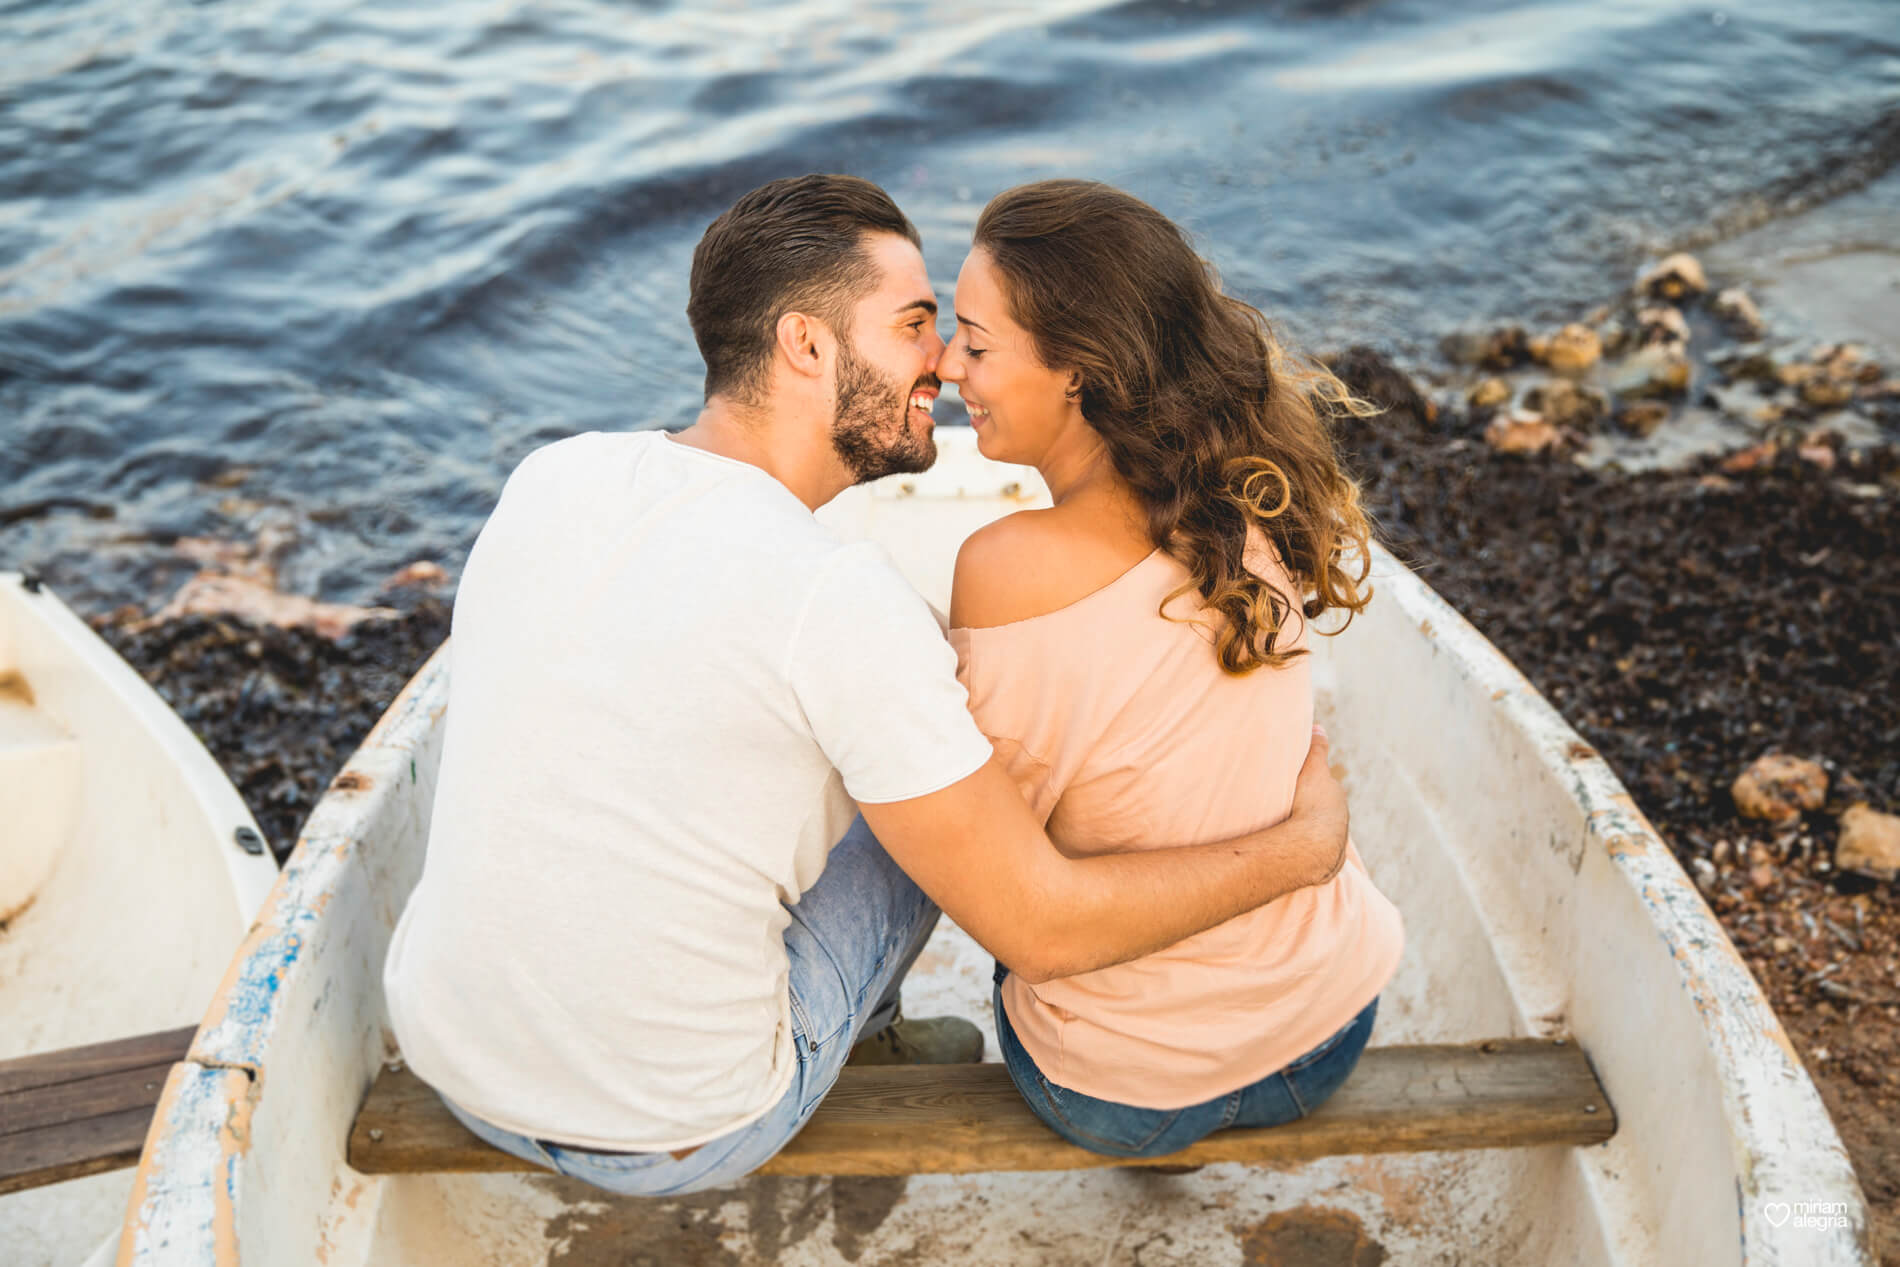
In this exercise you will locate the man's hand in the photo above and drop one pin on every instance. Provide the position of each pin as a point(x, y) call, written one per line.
point(1319, 802)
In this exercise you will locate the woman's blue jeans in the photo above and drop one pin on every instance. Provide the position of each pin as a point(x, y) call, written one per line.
point(1124, 1130)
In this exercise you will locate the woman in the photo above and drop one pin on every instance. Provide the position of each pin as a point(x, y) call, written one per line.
point(1136, 653)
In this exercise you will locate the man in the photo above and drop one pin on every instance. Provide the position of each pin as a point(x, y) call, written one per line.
point(649, 928)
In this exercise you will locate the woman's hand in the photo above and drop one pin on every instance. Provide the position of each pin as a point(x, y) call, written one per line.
point(1319, 802)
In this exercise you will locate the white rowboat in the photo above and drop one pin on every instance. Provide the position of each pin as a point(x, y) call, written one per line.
point(1538, 902)
point(123, 888)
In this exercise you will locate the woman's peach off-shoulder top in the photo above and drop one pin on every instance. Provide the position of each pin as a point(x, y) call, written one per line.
point(1123, 733)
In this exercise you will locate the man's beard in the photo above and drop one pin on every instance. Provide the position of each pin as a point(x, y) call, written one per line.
point(871, 429)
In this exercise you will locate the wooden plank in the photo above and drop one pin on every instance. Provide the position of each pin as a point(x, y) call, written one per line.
point(82, 1110)
point(949, 1119)
point(63, 1103)
point(53, 1154)
point(48, 1067)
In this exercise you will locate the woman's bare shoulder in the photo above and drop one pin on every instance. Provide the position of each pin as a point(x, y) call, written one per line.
point(1032, 563)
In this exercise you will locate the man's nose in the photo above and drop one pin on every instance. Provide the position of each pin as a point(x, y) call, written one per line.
point(935, 355)
point(949, 366)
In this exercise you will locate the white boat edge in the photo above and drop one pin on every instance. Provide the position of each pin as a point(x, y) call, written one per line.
point(1781, 1145)
point(252, 875)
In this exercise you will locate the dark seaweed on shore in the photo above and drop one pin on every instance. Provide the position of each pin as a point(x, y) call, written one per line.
point(281, 709)
point(1684, 622)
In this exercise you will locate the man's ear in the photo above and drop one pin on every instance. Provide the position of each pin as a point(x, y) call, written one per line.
point(804, 342)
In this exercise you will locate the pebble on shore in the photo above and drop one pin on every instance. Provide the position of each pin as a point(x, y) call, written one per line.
point(1489, 394)
point(1654, 370)
point(1779, 788)
point(1633, 363)
point(1563, 404)
point(1869, 843)
point(1735, 307)
point(1573, 349)
point(1521, 432)
point(1676, 277)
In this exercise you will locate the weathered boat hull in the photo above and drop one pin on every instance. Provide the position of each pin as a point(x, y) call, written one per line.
point(119, 838)
point(1538, 902)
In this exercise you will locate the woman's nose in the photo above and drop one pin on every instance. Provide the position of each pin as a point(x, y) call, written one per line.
point(950, 365)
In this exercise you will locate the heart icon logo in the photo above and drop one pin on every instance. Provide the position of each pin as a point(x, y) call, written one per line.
point(1777, 1212)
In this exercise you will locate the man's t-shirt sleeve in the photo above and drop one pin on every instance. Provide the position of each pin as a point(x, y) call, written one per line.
point(878, 683)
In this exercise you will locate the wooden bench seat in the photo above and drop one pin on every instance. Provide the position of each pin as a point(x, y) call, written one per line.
point(947, 1119)
point(82, 1110)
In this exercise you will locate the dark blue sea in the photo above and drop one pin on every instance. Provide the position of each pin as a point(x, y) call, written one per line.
point(332, 268)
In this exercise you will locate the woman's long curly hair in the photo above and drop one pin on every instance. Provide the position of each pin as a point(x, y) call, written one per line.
point(1215, 427)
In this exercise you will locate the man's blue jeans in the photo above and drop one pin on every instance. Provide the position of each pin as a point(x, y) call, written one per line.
point(853, 936)
point(1123, 1130)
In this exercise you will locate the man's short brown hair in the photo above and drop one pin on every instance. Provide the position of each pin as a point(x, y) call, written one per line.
point(796, 244)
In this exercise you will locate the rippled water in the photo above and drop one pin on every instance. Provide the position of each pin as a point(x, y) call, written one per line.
point(342, 265)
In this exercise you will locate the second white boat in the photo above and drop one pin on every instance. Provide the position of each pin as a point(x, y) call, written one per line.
point(124, 888)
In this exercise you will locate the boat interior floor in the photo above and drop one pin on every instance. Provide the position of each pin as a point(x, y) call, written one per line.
point(945, 1119)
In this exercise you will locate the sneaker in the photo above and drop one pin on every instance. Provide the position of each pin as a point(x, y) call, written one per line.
point(928, 1040)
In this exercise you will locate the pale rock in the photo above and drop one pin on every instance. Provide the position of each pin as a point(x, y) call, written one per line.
point(421, 573)
point(1679, 275)
point(1736, 308)
point(1664, 323)
point(1778, 788)
point(1869, 843)
point(1826, 392)
point(1748, 459)
point(1658, 369)
point(1564, 404)
point(1796, 373)
point(1573, 349)
point(1847, 360)
point(1521, 433)
point(1489, 394)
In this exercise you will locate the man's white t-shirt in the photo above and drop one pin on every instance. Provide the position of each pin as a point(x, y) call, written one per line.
point(668, 684)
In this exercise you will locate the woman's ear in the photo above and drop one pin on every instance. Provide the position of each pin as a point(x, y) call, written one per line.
point(801, 342)
point(1074, 390)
